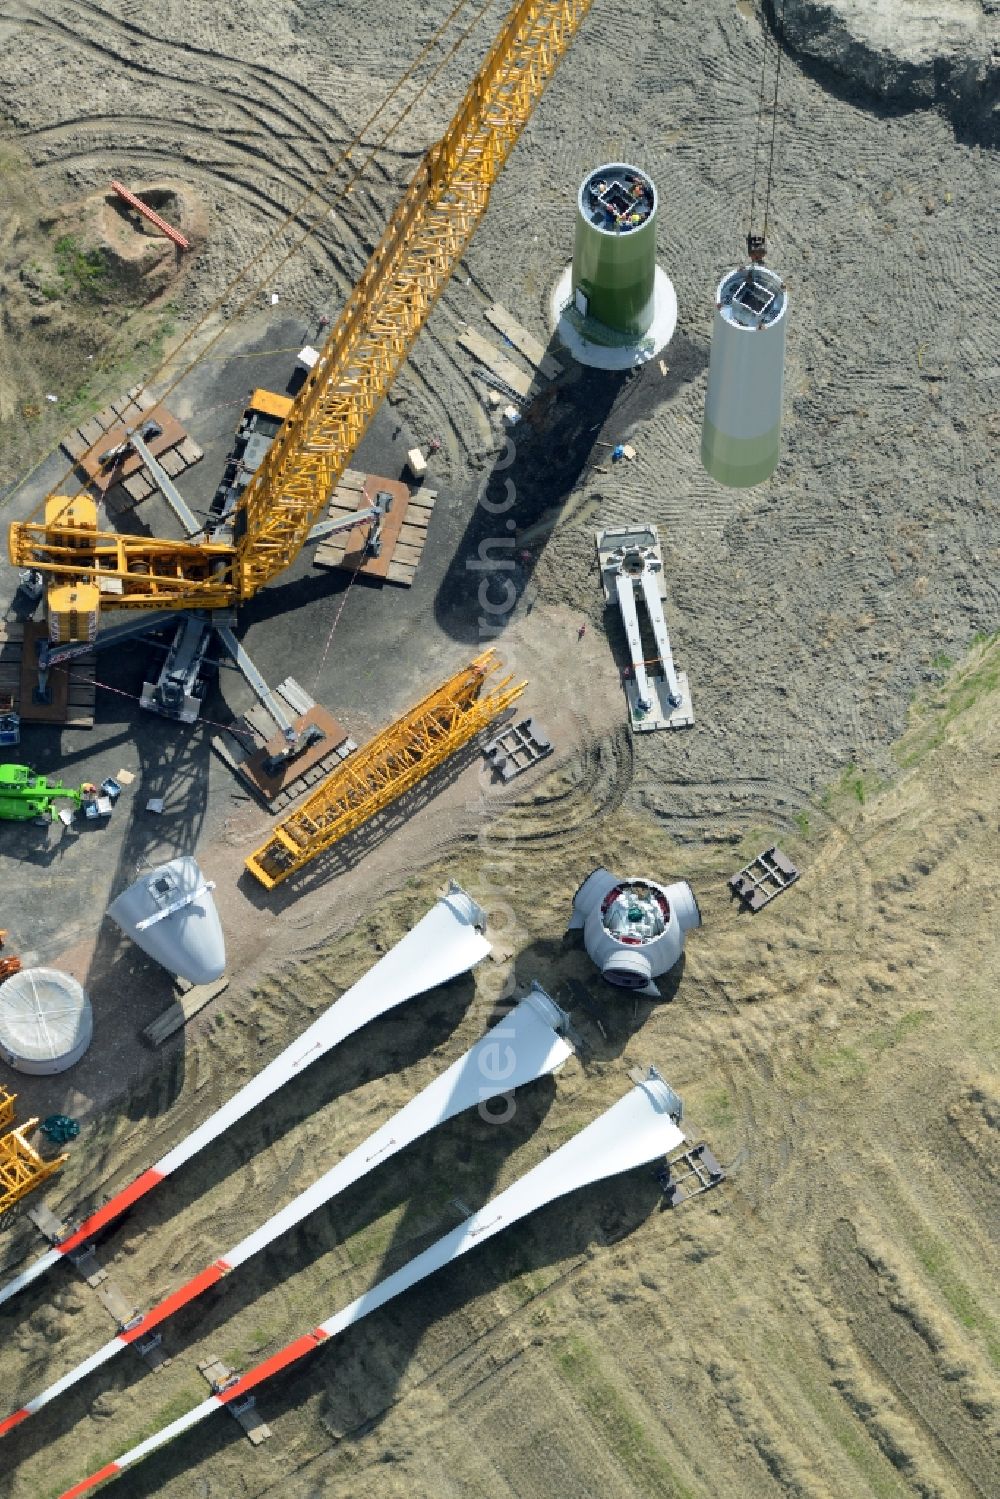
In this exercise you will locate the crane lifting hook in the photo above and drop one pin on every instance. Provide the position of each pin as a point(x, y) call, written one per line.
point(756, 248)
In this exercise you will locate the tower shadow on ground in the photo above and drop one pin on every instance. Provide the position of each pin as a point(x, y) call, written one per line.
point(563, 443)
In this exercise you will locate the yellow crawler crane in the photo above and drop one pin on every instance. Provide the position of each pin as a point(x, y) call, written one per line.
point(394, 761)
point(22, 1169)
point(89, 569)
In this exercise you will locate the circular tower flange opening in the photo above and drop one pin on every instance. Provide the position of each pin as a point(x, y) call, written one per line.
point(754, 297)
point(617, 199)
point(614, 251)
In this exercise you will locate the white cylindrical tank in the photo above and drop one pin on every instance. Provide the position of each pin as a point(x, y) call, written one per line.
point(634, 929)
point(741, 433)
point(45, 1021)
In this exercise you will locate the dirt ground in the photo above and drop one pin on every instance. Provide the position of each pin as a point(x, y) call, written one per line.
point(828, 1322)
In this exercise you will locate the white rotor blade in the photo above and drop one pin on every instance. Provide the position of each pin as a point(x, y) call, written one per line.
point(637, 1129)
point(525, 1045)
point(444, 943)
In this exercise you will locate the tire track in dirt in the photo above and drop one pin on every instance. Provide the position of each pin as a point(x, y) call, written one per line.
point(249, 140)
point(268, 80)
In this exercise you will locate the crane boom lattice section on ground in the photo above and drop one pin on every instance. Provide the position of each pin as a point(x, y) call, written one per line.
point(408, 270)
point(22, 1169)
point(393, 762)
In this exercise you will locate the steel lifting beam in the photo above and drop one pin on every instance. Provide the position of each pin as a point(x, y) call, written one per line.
point(167, 487)
point(377, 775)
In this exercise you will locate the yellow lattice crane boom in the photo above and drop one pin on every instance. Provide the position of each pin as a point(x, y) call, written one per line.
point(390, 765)
point(22, 1169)
point(408, 269)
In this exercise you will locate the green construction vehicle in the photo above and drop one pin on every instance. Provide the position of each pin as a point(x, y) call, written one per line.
point(24, 795)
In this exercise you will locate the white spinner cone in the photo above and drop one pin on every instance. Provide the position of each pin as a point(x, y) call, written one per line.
point(171, 915)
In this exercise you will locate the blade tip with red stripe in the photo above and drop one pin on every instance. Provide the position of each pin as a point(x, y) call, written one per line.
point(108, 1471)
point(12, 1421)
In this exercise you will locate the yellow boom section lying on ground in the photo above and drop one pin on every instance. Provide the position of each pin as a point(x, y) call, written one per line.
point(409, 268)
point(393, 762)
point(22, 1169)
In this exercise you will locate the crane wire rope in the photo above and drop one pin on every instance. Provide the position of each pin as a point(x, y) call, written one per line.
point(779, 31)
point(756, 141)
point(347, 591)
point(293, 216)
point(342, 192)
point(336, 622)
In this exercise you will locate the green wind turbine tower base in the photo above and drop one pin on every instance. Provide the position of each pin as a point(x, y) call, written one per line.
point(613, 306)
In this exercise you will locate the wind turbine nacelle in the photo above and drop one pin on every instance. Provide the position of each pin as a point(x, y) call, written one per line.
point(634, 929)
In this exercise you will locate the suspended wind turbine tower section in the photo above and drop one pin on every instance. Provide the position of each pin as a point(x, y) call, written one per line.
point(741, 432)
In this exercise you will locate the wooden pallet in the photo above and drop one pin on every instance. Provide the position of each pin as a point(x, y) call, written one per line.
point(493, 359)
point(114, 1301)
point(128, 483)
point(74, 694)
point(244, 1411)
point(245, 752)
point(524, 342)
point(404, 531)
point(48, 1225)
point(194, 998)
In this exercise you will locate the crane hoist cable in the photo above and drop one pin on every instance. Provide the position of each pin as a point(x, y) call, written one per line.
point(343, 191)
point(757, 243)
point(293, 216)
